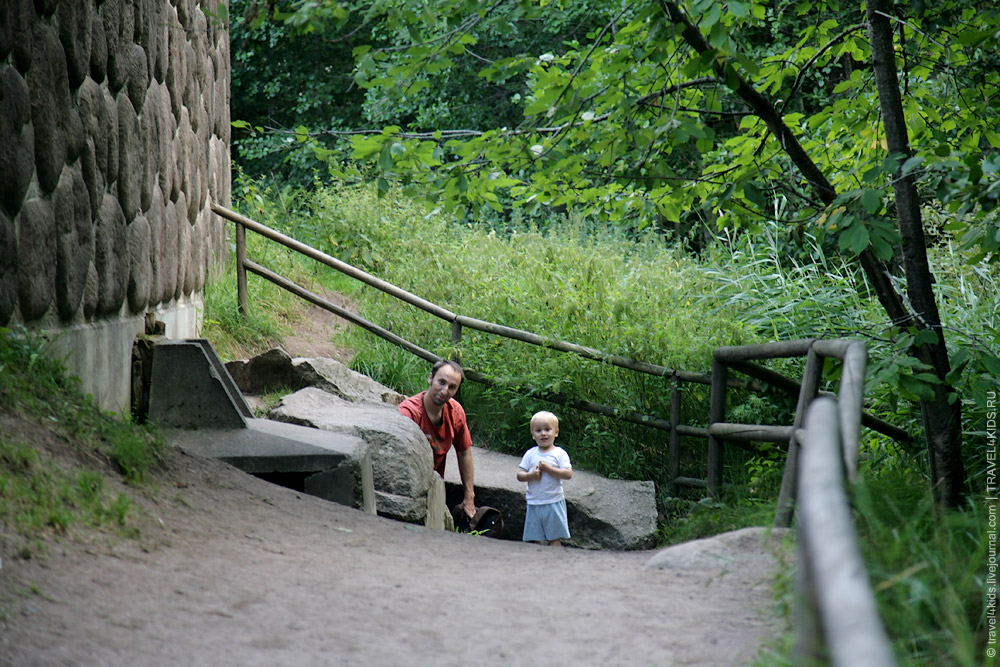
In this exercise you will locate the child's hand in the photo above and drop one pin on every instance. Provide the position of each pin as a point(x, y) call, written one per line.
point(537, 472)
point(544, 466)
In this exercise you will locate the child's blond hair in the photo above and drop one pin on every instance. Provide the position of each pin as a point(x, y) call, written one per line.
point(543, 415)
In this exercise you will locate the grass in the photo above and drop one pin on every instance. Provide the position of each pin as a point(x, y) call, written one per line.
point(41, 492)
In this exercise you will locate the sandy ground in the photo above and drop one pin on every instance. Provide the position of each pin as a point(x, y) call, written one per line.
point(231, 570)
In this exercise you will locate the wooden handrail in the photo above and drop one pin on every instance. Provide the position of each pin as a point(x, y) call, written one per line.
point(840, 615)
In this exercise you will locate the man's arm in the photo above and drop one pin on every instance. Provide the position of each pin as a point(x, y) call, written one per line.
point(465, 471)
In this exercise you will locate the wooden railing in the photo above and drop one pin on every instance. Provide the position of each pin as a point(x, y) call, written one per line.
point(840, 621)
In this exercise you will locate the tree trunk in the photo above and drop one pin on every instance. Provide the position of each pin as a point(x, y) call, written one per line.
point(942, 422)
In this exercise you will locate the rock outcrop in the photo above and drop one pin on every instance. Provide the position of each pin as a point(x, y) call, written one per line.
point(603, 513)
point(406, 487)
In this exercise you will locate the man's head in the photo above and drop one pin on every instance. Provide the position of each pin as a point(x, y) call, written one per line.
point(443, 383)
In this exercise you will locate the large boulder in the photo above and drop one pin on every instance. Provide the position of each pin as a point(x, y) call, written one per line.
point(737, 551)
point(402, 465)
point(603, 513)
point(276, 370)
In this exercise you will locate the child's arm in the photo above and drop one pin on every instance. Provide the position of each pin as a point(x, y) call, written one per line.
point(561, 473)
point(526, 476)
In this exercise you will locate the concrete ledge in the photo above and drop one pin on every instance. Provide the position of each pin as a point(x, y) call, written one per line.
point(331, 466)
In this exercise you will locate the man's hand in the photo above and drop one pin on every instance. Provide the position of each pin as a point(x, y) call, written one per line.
point(469, 505)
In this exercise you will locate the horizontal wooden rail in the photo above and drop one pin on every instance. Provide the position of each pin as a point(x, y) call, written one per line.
point(335, 263)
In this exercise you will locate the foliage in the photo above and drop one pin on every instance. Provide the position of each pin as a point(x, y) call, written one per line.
point(32, 382)
point(272, 311)
point(724, 114)
point(932, 601)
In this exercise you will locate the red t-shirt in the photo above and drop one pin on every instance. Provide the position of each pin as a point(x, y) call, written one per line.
point(453, 429)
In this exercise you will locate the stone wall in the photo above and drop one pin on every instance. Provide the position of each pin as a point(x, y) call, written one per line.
point(114, 140)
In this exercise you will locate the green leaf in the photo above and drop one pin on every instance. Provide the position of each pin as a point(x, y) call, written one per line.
point(754, 195)
point(854, 238)
point(871, 200)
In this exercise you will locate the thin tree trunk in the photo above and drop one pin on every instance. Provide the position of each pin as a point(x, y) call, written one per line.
point(942, 421)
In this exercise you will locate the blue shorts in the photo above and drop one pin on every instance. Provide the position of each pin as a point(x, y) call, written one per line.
point(546, 522)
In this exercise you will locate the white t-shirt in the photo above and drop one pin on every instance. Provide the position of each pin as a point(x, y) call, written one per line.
point(548, 489)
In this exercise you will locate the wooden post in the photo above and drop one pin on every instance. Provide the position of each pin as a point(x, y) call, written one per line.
point(673, 463)
point(716, 413)
point(242, 297)
point(790, 477)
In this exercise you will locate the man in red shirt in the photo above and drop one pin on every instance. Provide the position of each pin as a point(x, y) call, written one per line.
point(442, 419)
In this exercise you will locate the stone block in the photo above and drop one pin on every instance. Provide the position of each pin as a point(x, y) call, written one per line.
point(8, 268)
point(74, 243)
point(17, 140)
point(48, 86)
point(110, 241)
point(36, 258)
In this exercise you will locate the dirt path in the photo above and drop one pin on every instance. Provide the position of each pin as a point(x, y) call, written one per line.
point(234, 571)
point(230, 570)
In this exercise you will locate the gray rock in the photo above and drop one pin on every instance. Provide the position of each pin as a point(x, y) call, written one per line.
point(17, 140)
point(109, 256)
point(48, 86)
point(155, 215)
point(168, 252)
point(275, 370)
point(76, 136)
point(36, 253)
point(138, 242)
point(8, 268)
point(603, 513)
point(138, 75)
point(75, 243)
point(118, 29)
point(129, 158)
point(16, 18)
point(183, 231)
point(402, 465)
point(90, 292)
point(98, 49)
point(727, 551)
point(75, 32)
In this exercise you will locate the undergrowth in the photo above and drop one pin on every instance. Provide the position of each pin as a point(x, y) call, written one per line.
point(37, 495)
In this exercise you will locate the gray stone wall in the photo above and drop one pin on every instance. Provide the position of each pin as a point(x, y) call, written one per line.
point(114, 140)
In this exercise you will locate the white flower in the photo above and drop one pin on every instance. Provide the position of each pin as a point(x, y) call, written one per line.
point(587, 115)
point(537, 150)
point(546, 57)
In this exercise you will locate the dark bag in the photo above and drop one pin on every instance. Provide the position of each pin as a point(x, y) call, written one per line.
point(486, 521)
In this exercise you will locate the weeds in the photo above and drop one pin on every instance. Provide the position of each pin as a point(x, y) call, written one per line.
point(37, 496)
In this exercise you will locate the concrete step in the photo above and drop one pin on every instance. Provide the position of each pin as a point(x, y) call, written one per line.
point(194, 399)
